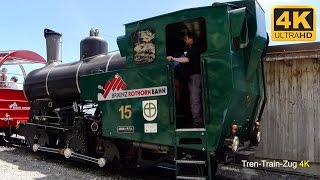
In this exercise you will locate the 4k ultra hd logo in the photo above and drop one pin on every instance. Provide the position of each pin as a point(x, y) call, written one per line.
point(293, 23)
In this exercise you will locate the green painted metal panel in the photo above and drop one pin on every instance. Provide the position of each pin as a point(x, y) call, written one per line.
point(215, 19)
point(137, 80)
point(237, 18)
point(123, 41)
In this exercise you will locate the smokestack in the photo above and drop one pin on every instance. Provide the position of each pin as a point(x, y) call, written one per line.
point(53, 44)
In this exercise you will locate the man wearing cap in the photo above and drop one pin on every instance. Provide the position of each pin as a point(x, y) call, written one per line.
point(192, 67)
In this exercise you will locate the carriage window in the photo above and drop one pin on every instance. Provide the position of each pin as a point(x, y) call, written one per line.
point(144, 50)
point(175, 32)
point(11, 77)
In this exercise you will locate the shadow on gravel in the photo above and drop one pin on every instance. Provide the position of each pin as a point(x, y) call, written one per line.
point(55, 167)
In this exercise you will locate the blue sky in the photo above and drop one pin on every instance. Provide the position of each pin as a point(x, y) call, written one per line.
point(22, 22)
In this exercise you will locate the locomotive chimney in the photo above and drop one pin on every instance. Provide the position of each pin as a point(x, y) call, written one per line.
point(53, 44)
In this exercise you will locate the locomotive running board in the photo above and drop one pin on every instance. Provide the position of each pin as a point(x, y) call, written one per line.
point(67, 152)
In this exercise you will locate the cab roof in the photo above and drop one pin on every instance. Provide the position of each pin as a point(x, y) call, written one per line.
point(20, 57)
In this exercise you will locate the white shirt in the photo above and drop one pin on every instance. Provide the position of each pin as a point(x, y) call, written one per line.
point(12, 85)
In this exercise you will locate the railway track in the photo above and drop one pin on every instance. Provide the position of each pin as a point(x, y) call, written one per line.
point(56, 163)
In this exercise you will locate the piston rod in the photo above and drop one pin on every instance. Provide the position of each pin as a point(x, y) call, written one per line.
point(37, 147)
point(67, 152)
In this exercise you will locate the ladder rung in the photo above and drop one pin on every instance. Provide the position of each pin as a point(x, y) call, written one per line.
point(191, 130)
point(190, 162)
point(191, 177)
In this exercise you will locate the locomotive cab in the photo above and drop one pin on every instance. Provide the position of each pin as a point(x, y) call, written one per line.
point(141, 103)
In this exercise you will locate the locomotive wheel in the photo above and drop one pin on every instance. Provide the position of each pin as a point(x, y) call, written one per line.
point(111, 153)
point(29, 132)
point(7, 135)
point(43, 138)
point(114, 166)
point(77, 142)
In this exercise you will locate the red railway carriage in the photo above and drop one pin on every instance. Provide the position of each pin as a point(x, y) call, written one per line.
point(14, 107)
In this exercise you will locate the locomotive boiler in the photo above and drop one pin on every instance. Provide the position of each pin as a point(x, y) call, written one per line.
point(139, 102)
point(60, 82)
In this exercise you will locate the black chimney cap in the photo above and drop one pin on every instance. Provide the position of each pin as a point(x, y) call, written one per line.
point(50, 32)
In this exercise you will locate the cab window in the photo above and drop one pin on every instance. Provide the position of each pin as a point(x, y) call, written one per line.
point(176, 31)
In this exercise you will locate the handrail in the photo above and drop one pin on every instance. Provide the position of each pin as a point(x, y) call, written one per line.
point(19, 89)
point(16, 74)
point(7, 84)
point(8, 109)
point(15, 100)
point(204, 93)
point(170, 94)
point(10, 82)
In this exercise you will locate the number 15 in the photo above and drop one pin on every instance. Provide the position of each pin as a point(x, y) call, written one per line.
point(125, 111)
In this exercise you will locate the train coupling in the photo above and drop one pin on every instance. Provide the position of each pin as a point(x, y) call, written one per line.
point(235, 152)
point(232, 143)
point(69, 153)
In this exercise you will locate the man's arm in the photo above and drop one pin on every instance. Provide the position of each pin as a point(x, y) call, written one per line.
point(180, 59)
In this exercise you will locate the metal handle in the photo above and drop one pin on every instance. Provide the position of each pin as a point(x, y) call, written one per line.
point(204, 89)
point(170, 94)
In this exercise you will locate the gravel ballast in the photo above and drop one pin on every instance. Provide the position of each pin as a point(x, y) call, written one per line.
point(21, 163)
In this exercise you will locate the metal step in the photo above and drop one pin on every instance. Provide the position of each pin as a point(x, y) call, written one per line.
point(182, 161)
point(191, 130)
point(192, 177)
